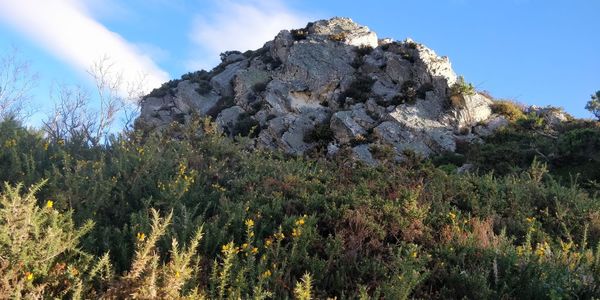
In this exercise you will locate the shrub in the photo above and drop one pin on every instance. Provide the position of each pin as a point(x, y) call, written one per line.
point(246, 125)
point(299, 34)
point(359, 89)
point(363, 50)
point(594, 105)
point(39, 248)
point(260, 87)
point(460, 87)
point(508, 109)
point(322, 134)
point(204, 87)
point(338, 37)
point(164, 90)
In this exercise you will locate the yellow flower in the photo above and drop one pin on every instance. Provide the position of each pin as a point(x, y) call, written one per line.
point(266, 274)
point(296, 232)
point(244, 245)
point(49, 204)
point(225, 248)
point(279, 236)
point(268, 242)
point(249, 223)
point(530, 220)
point(452, 215)
point(29, 276)
point(141, 236)
point(177, 274)
point(254, 250)
point(300, 222)
point(414, 254)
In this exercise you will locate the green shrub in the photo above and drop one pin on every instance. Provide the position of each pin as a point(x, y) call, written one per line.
point(246, 126)
point(461, 87)
point(594, 105)
point(395, 231)
point(359, 89)
point(322, 133)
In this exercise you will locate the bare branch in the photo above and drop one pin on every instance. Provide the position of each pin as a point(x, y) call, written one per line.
point(16, 83)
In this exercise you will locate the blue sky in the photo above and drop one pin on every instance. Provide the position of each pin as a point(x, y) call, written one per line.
point(542, 52)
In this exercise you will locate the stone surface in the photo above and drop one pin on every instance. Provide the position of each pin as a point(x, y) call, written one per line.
point(324, 77)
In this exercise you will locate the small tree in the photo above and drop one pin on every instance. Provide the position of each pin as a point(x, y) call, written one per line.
point(74, 116)
point(594, 105)
point(16, 82)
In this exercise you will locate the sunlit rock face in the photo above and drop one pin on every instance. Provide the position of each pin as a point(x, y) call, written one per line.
point(330, 85)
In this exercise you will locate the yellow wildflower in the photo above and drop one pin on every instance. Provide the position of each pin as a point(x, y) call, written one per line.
point(530, 220)
point(29, 276)
point(249, 223)
point(452, 216)
point(254, 250)
point(279, 236)
point(268, 242)
point(414, 254)
point(300, 222)
point(141, 236)
point(225, 248)
point(266, 274)
point(244, 245)
point(49, 204)
point(296, 232)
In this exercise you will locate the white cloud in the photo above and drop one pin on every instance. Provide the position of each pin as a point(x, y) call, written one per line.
point(240, 25)
point(66, 29)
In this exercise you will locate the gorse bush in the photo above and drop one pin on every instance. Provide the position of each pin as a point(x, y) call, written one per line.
point(251, 224)
point(508, 109)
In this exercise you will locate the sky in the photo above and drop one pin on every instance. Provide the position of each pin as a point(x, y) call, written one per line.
point(536, 52)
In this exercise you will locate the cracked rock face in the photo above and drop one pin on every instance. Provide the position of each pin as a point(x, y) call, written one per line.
point(331, 85)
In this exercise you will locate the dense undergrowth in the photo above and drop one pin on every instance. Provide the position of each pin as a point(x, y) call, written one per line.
point(150, 216)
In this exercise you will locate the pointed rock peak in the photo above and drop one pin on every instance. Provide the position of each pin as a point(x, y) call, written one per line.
point(342, 30)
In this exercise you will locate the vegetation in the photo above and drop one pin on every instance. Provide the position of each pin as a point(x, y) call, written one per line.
point(461, 87)
point(190, 214)
point(508, 109)
point(594, 105)
point(359, 89)
point(338, 37)
point(264, 225)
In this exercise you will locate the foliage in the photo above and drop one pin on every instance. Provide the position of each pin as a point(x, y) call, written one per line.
point(508, 109)
point(338, 37)
point(461, 87)
point(359, 89)
point(299, 34)
point(322, 133)
point(393, 231)
point(594, 105)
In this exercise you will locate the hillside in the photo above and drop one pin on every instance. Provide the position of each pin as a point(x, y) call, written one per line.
point(309, 169)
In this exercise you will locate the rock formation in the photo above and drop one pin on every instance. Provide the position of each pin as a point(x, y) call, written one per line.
point(330, 85)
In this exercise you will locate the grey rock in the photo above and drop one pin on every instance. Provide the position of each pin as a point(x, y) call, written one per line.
point(293, 84)
point(345, 128)
point(222, 82)
point(363, 153)
point(471, 109)
point(228, 117)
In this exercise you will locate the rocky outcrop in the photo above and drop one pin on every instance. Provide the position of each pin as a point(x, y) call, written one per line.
point(332, 84)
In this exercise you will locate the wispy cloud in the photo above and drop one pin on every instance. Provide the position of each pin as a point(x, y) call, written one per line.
point(67, 29)
point(240, 25)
